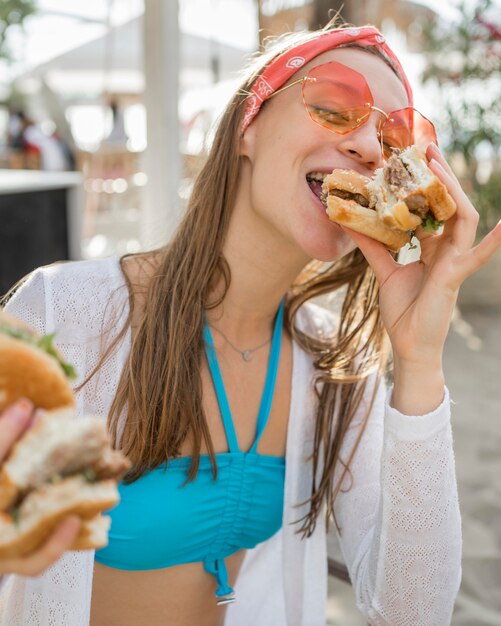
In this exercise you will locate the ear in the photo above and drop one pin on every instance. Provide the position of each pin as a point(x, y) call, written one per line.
point(248, 141)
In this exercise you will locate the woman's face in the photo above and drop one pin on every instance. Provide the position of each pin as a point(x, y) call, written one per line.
point(283, 145)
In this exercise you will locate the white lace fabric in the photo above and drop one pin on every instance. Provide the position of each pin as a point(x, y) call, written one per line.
point(400, 522)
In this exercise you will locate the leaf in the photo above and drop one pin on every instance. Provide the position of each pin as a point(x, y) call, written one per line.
point(430, 224)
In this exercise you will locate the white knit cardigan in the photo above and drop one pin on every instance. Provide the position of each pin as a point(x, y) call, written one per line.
point(400, 522)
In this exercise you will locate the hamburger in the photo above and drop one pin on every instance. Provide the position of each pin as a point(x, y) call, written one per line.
point(31, 367)
point(402, 195)
point(63, 464)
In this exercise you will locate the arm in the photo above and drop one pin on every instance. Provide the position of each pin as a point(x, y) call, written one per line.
point(28, 304)
point(405, 561)
point(400, 522)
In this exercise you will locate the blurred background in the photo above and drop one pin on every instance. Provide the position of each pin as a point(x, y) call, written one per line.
point(106, 112)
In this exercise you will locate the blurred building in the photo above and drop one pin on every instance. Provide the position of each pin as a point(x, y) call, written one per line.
point(96, 95)
point(279, 16)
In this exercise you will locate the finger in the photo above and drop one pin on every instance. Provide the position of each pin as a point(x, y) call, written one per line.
point(378, 257)
point(433, 152)
point(451, 230)
point(462, 230)
point(13, 422)
point(34, 564)
point(36, 417)
point(481, 253)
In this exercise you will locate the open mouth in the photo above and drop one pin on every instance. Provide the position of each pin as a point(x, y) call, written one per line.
point(315, 181)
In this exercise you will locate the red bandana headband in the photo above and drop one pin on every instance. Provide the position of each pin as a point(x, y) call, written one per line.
point(278, 72)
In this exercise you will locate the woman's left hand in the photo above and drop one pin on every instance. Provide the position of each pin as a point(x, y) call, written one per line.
point(417, 300)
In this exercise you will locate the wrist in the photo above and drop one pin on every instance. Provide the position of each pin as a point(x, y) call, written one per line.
point(418, 367)
point(417, 389)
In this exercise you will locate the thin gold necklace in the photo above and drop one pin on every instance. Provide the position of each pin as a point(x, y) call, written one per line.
point(245, 354)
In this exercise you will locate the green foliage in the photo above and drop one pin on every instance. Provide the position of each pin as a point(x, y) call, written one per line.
point(486, 198)
point(13, 12)
point(464, 61)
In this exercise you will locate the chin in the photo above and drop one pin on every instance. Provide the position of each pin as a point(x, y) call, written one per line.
point(326, 243)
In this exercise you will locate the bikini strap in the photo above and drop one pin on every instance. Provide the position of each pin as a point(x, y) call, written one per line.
point(269, 387)
point(222, 398)
point(271, 378)
point(217, 567)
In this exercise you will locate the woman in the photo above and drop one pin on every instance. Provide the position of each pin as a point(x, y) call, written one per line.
point(176, 346)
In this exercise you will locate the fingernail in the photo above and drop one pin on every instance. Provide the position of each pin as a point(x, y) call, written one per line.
point(20, 411)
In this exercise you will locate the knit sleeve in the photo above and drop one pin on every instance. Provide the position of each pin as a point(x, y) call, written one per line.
point(398, 512)
point(70, 299)
point(28, 303)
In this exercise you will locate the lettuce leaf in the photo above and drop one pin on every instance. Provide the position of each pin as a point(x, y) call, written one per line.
point(430, 224)
point(15, 516)
point(45, 343)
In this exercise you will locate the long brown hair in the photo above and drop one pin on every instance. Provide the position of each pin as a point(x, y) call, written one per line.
point(160, 388)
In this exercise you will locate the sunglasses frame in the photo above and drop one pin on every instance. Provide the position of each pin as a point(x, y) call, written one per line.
point(360, 121)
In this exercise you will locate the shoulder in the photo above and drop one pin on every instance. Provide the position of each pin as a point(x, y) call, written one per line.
point(316, 320)
point(74, 294)
point(81, 295)
point(83, 277)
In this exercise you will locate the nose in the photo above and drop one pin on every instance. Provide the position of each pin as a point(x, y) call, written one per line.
point(363, 143)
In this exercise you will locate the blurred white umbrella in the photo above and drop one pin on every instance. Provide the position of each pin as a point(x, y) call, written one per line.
point(114, 62)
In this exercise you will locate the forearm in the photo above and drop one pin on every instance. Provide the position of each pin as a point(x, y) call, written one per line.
point(400, 529)
point(413, 569)
point(417, 389)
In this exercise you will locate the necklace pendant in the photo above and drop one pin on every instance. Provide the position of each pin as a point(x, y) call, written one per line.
point(247, 355)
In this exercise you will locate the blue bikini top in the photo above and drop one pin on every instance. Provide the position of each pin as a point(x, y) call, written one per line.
point(161, 522)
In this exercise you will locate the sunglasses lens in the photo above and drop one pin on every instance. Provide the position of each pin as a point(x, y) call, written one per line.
point(406, 127)
point(337, 97)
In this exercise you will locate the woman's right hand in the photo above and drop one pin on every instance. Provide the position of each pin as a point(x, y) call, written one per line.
point(14, 421)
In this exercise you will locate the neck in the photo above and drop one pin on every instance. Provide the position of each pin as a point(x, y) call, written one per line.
point(263, 266)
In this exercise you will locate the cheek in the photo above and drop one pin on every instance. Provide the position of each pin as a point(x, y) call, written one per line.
point(278, 189)
point(274, 178)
